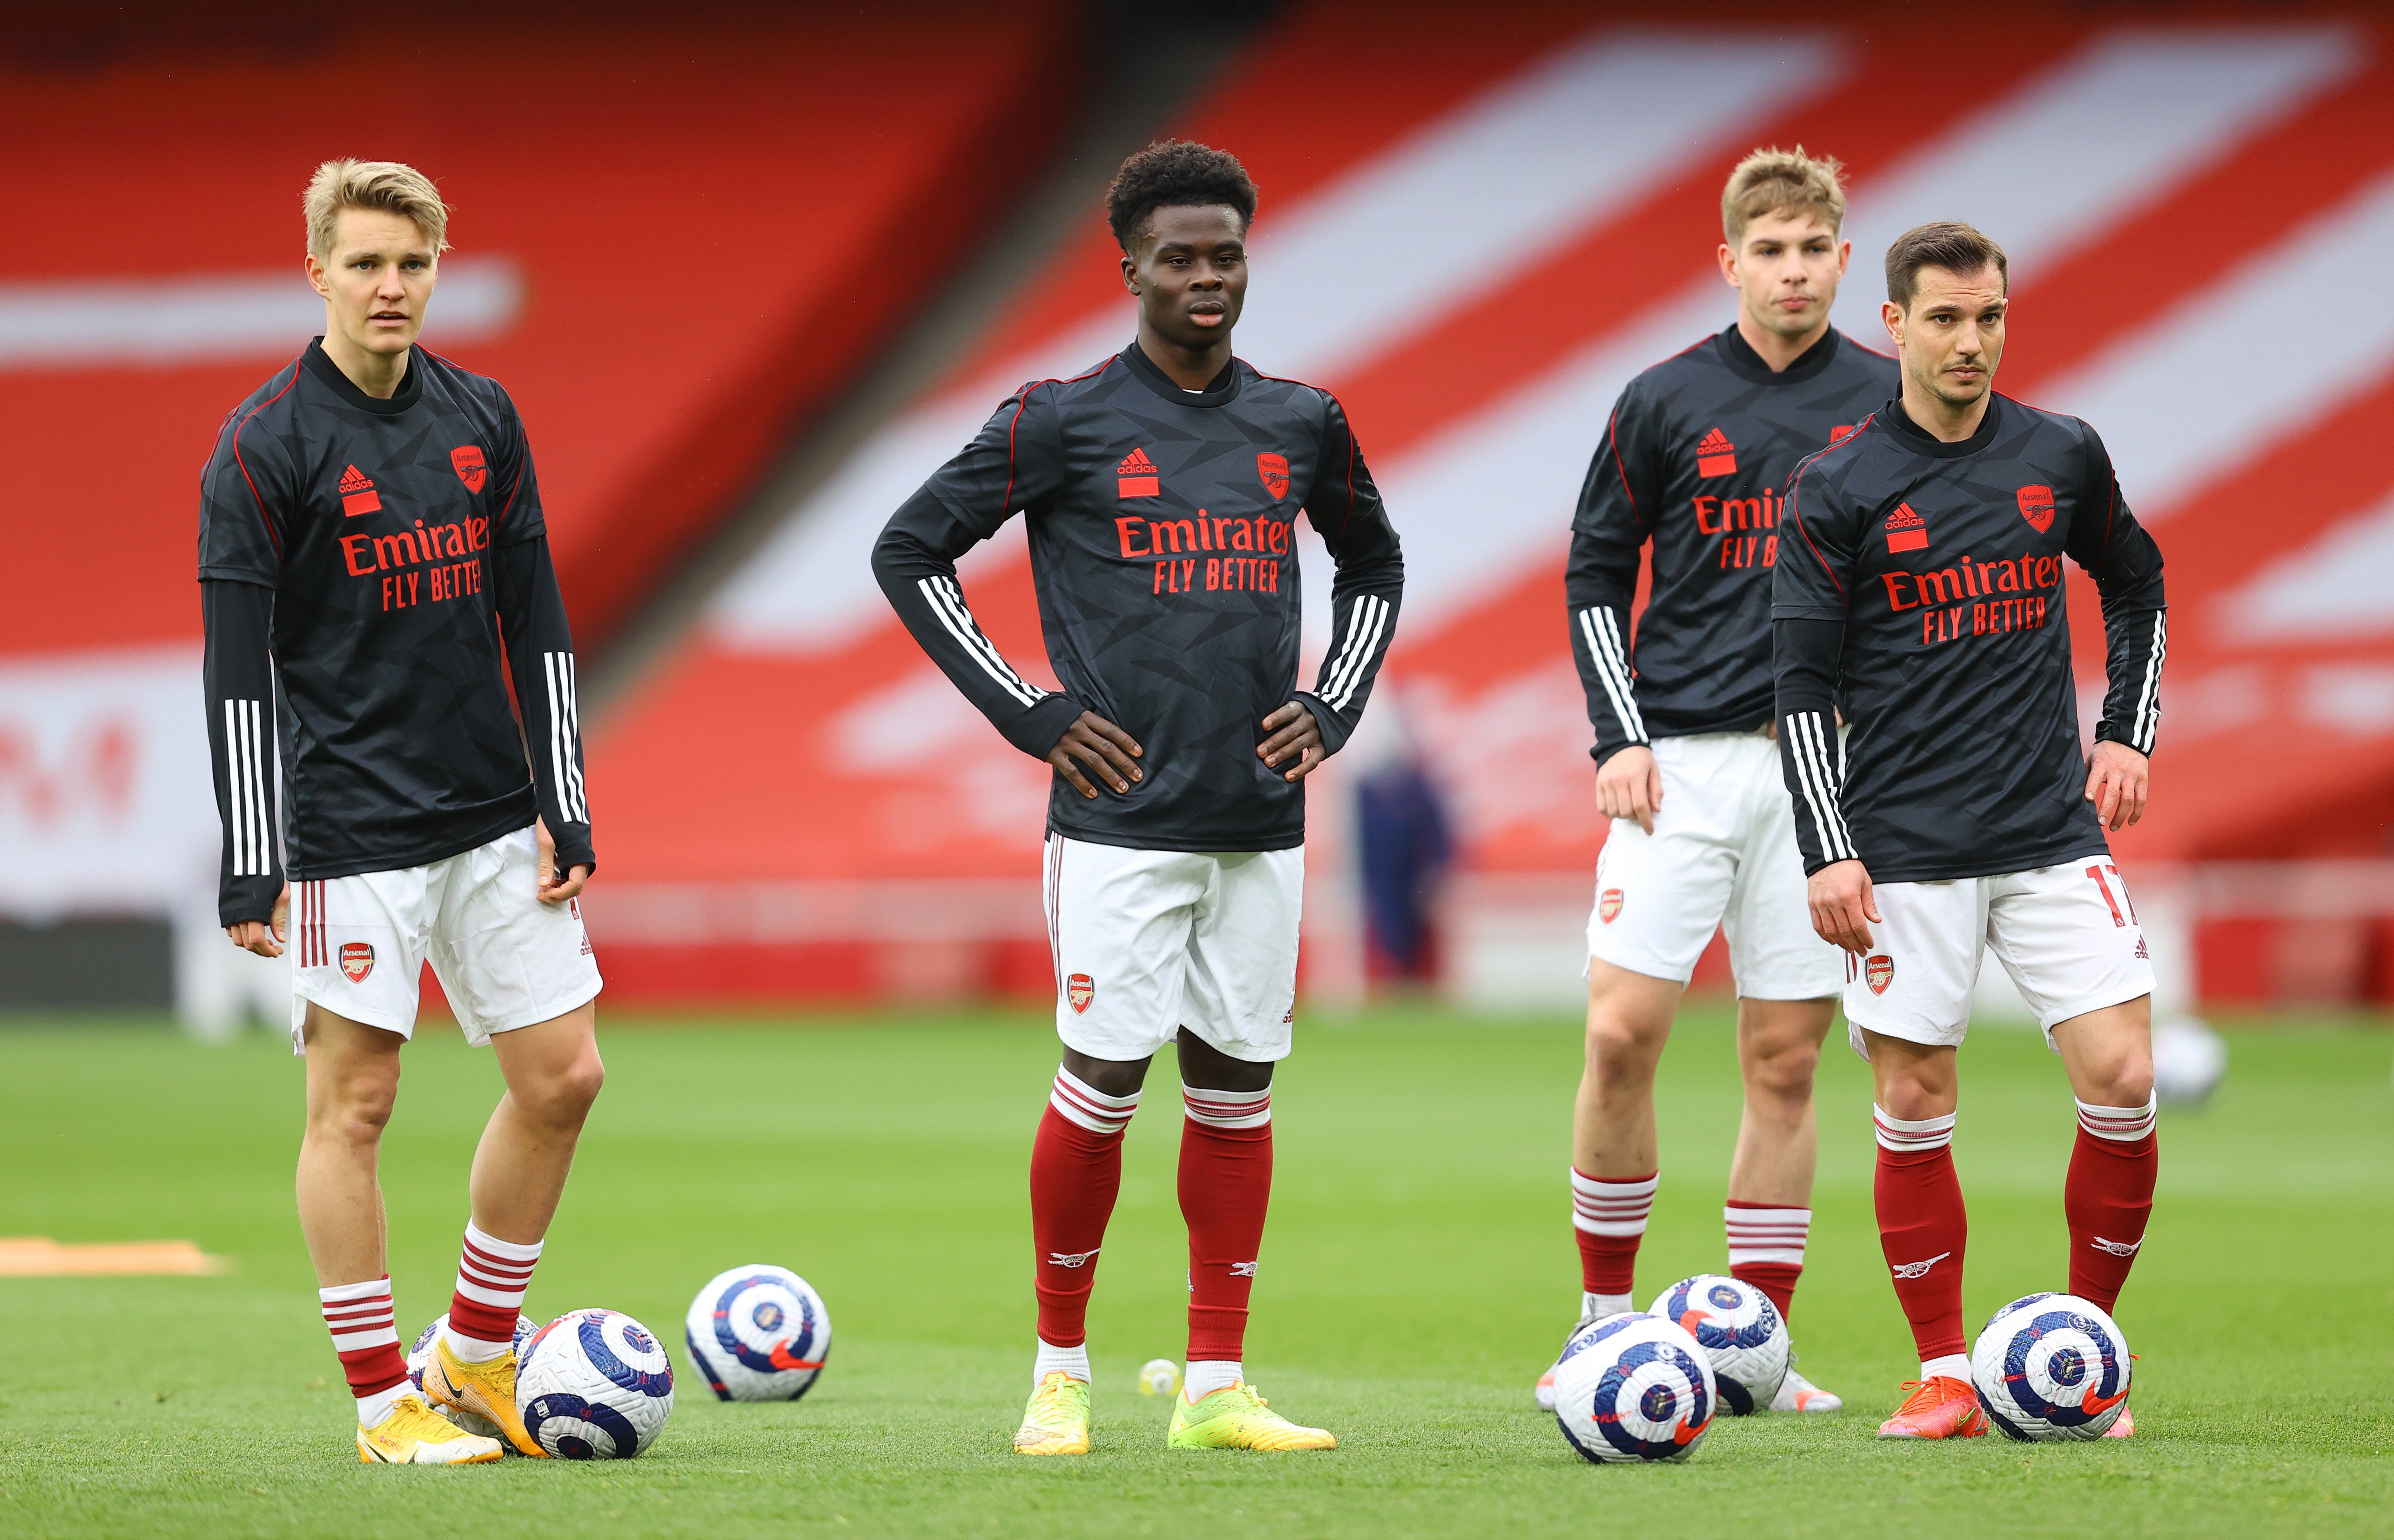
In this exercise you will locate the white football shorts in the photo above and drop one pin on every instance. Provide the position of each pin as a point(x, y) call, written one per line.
point(2067, 936)
point(1149, 941)
point(1723, 855)
point(505, 959)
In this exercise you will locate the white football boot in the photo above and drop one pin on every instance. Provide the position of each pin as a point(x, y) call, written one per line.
point(1544, 1392)
point(1798, 1394)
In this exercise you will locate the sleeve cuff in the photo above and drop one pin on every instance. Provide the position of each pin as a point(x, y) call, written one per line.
point(1335, 731)
point(1042, 723)
point(1602, 752)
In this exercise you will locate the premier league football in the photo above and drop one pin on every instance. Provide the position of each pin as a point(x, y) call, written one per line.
point(1300, 740)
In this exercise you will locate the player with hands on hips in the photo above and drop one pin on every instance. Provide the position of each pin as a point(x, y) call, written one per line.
point(1690, 465)
point(1920, 589)
point(374, 566)
point(1160, 491)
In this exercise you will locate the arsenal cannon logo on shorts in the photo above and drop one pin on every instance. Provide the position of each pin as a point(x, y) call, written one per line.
point(1609, 905)
point(1080, 989)
point(357, 960)
point(1878, 972)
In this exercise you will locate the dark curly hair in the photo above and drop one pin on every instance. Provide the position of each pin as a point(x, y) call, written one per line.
point(1176, 174)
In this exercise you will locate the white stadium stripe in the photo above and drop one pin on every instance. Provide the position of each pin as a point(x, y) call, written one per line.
point(2286, 318)
point(2330, 590)
point(1513, 176)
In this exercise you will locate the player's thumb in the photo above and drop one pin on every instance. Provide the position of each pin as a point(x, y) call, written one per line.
point(1870, 903)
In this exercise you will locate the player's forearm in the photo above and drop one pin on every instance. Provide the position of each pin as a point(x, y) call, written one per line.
point(540, 654)
point(1804, 659)
point(1364, 622)
point(920, 583)
point(2136, 642)
point(238, 680)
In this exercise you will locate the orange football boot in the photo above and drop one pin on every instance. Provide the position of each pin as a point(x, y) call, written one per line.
point(2124, 1428)
point(1940, 1408)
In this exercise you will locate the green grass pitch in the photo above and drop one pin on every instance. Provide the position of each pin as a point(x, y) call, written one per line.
point(1417, 1275)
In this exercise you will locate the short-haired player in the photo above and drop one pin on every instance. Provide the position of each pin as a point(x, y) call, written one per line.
point(373, 565)
point(1160, 490)
point(1692, 463)
point(1922, 590)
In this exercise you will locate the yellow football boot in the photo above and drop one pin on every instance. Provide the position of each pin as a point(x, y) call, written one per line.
point(486, 1389)
point(1057, 1421)
point(1236, 1417)
point(416, 1434)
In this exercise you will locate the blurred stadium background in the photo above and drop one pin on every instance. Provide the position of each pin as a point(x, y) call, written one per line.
point(752, 272)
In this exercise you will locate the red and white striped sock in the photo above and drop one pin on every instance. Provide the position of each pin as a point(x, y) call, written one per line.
point(1766, 1247)
point(1923, 1230)
point(1226, 1170)
point(1075, 1173)
point(492, 1277)
point(1609, 1219)
point(2107, 1198)
point(365, 1334)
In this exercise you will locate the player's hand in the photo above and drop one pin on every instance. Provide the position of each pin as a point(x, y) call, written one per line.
point(1844, 904)
point(1629, 785)
point(1104, 748)
point(265, 936)
point(1294, 731)
point(552, 890)
point(2115, 784)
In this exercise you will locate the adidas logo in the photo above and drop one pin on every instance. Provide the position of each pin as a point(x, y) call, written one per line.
point(1715, 455)
point(1906, 530)
point(358, 495)
point(2140, 949)
point(1138, 476)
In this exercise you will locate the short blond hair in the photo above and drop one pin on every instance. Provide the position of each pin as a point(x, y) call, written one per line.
point(385, 185)
point(1784, 182)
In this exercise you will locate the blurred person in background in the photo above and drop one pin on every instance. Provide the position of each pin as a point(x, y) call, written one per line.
point(1693, 460)
point(373, 564)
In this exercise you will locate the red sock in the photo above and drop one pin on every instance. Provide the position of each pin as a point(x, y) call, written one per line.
point(1609, 1219)
point(1766, 1247)
point(1225, 1163)
point(492, 1277)
point(2108, 1196)
point(365, 1334)
point(1922, 1228)
point(1076, 1172)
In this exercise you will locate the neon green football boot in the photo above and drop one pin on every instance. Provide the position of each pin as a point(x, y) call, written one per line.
point(1236, 1417)
point(1057, 1421)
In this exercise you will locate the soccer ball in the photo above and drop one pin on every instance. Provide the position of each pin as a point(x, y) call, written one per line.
point(594, 1385)
point(1631, 1387)
point(759, 1332)
point(2051, 1366)
point(2190, 1060)
point(1741, 1332)
point(421, 1354)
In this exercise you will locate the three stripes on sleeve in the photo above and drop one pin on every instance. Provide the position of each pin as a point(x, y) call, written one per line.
point(565, 736)
point(1601, 630)
point(249, 766)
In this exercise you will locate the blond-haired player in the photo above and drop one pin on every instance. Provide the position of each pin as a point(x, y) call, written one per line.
point(370, 538)
point(1693, 461)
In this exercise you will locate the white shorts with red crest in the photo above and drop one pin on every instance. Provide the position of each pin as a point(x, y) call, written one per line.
point(2067, 934)
point(1149, 941)
point(1722, 857)
point(505, 960)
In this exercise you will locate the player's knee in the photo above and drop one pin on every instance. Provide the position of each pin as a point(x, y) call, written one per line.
point(2127, 1079)
point(1623, 1044)
point(1783, 1072)
point(563, 1098)
point(356, 1111)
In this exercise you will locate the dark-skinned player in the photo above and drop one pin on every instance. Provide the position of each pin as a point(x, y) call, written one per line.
point(1160, 490)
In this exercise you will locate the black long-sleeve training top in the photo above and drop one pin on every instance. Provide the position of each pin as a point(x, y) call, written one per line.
point(1696, 458)
point(377, 560)
point(1920, 583)
point(1161, 523)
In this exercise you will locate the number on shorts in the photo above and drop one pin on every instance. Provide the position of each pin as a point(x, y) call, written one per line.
point(2097, 871)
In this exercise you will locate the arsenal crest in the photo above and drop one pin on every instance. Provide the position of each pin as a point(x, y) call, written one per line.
point(1607, 904)
point(2036, 506)
point(357, 960)
point(1273, 468)
point(1080, 989)
point(467, 458)
point(1878, 972)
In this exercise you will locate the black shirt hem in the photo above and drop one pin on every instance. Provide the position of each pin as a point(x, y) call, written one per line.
point(499, 828)
point(1120, 840)
point(2010, 867)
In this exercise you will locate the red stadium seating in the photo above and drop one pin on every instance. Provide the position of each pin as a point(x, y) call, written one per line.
point(2145, 177)
point(715, 223)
